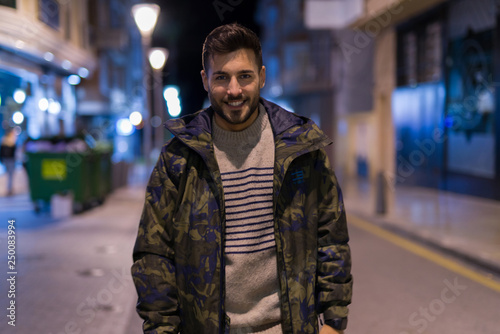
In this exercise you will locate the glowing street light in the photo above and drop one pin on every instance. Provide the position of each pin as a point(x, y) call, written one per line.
point(48, 56)
point(83, 72)
point(145, 17)
point(171, 95)
point(74, 79)
point(54, 107)
point(18, 117)
point(124, 127)
point(135, 118)
point(43, 104)
point(157, 58)
point(19, 96)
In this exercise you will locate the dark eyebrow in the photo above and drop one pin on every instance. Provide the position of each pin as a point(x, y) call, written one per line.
point(240, 72)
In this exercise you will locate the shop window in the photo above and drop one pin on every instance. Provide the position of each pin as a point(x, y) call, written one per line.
point(470, 107)
point(8, 3)
point(410, 58)
point(420, 53)
point(48, 13)
point(432, 53)
point(471, 99)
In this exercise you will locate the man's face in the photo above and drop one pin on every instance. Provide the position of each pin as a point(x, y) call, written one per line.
point(233, 82)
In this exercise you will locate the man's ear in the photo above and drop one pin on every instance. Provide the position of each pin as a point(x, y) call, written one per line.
point(204, 78)
point(262, 77)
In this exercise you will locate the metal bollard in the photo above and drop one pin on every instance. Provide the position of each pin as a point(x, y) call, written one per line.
point(381, 202)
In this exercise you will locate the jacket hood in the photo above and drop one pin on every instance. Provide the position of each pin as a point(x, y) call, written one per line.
point(195, 129)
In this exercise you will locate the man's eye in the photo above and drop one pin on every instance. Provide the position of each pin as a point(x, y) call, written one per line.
point(220, 77)
point(246, 76)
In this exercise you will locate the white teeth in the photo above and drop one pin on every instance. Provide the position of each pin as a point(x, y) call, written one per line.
point(235, 104)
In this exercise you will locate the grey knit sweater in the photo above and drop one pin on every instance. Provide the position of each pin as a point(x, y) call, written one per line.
point(246, 162)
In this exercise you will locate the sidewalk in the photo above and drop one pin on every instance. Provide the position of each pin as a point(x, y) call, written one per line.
point(465, 226)
point(20, 182)
point(73, 275)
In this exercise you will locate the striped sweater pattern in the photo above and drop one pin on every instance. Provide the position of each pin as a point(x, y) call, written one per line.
point(249, 216)
point(246, 163)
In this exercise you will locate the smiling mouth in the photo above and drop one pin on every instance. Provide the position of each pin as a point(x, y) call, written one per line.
point(236, 103)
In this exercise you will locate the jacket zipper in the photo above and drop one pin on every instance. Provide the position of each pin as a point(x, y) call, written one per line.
point(281, 266)
point(223, 318)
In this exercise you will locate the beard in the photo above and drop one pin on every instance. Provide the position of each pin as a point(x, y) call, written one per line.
point(237, 116)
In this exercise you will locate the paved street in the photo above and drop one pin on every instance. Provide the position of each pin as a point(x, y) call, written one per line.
point(398, 292)
point(73, 276)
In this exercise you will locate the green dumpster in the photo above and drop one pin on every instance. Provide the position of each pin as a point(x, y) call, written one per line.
point(53, 173)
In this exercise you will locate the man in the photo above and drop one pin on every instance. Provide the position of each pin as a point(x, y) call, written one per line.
point(243, 228)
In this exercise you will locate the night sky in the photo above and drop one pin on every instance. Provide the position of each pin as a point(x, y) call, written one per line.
point(182, 28)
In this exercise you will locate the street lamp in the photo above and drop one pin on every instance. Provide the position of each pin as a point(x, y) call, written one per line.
point(157, 59)
point(145, 17)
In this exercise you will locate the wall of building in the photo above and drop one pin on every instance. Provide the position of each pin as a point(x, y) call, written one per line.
point(370, 124)
point(369, 132)
point(42, 57)
point(385, 82)
point(435, 129)
point(298, 64)
point(392, 92)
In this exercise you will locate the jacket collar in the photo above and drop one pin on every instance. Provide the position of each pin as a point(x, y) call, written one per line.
point(195, 130)
point(201, 121)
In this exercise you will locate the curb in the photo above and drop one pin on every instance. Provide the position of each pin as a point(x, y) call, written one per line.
point(488, 266)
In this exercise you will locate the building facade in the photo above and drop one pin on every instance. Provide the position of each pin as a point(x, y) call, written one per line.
point(308, 72)
point(119, 85)
point(436, 104)
point(298, 62)
point(42, 43)
point(407, 89)
point(79, 64)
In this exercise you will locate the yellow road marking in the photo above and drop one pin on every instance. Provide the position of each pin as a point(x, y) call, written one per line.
point(424, 252)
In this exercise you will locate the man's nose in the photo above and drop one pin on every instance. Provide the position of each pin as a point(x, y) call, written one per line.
point(234, 88)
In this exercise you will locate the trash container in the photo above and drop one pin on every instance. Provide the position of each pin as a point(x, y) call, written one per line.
point(59, 173)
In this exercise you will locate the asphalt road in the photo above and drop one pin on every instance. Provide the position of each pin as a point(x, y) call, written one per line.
point(410, 289)
point(404, 288)
point(73, 278)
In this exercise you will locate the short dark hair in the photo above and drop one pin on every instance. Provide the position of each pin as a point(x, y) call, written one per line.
point(229, 38)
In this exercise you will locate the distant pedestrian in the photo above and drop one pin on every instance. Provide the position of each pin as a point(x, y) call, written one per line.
point(243, 228)
point(8, 157)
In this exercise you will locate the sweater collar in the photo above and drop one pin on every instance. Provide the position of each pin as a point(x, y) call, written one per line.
point(195, 130)
point(201, 121)
point(249, 135)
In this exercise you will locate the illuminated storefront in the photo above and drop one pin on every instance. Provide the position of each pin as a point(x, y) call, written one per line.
point(43, 54)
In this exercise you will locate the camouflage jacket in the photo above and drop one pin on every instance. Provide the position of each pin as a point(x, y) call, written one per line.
point(178, 265)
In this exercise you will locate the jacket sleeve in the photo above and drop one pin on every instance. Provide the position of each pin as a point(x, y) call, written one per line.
point(334, 280)
point(153, 271)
